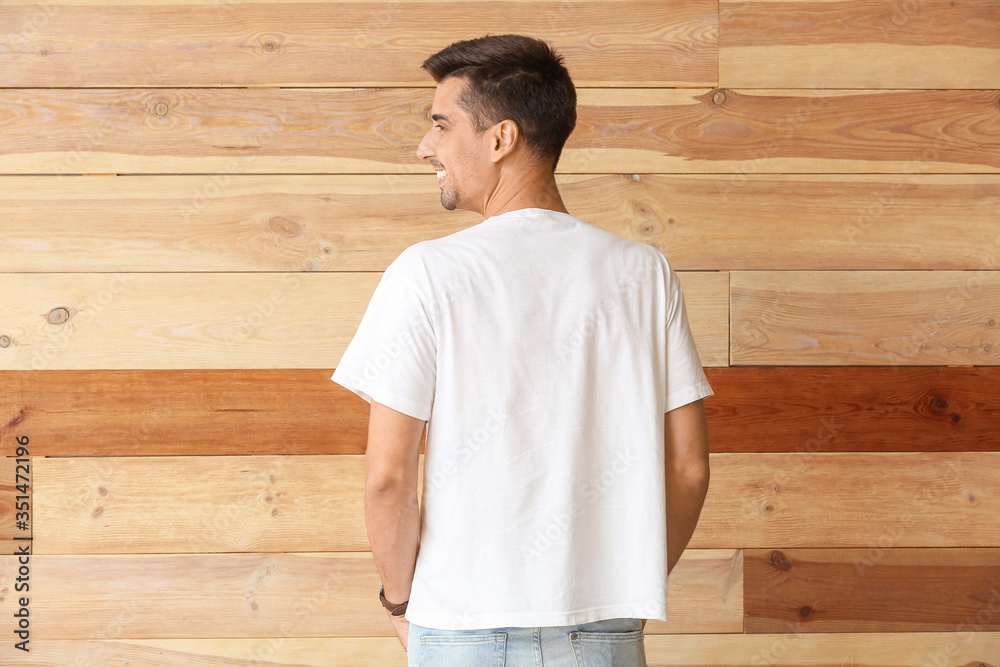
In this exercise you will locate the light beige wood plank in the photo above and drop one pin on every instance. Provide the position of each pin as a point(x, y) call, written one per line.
point(706, 298)
point(164, 504)
point(871, 500)
point(282, 595)
point(859, 44)
point(243, 222)
point(86, 44)
point(201, 504)
point(277, 651)
point(638, 130)
point(791, 649)
point(866, 318)
point(228, 320)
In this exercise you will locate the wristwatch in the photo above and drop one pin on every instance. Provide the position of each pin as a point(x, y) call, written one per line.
point(394, 609)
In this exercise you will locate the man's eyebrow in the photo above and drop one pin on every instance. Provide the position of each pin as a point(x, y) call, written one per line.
point(440, 116)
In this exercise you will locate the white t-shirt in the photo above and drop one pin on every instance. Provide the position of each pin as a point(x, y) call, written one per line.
point(544, 352)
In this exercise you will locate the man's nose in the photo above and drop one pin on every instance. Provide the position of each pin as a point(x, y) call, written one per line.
point(424, 150)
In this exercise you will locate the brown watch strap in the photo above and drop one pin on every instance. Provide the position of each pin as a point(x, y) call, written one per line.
point(394, 609)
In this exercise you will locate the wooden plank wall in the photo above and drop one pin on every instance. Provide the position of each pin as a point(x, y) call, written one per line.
point(198, 197)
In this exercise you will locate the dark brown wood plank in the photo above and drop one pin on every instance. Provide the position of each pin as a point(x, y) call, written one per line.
point(181, 412)
point(854, 409)
point(301, 411)
point(229, 43)
point(875, 590)
point(189, 130)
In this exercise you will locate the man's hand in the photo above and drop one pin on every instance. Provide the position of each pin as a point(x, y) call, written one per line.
point(401, 626)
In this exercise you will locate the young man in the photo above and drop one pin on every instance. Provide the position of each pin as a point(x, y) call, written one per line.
point(554, 367)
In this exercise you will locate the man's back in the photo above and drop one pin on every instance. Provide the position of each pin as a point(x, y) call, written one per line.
point(536, 344)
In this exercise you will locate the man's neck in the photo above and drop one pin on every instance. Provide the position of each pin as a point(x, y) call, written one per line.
point(537, 193)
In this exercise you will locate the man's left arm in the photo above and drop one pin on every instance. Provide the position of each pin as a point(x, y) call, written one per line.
point(392, 515)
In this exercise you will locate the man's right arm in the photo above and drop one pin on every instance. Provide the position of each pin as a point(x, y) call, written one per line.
point(685, 441)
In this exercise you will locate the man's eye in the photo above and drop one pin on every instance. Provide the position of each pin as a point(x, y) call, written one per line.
point(441, 127)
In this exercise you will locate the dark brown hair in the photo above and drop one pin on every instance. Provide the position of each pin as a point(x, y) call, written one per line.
point(513, 77)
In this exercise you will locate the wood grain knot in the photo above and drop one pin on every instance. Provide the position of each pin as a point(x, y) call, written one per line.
point(805, 611)
point(719, 97)
point(17, 419)
point(780, 562)
point(955, 419)
point(938, 403)
point(161, 109)
point(58, 315)
point(4, 341)
point(284, 227)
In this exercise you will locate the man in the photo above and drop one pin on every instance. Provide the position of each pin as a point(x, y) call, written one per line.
point(553, 365)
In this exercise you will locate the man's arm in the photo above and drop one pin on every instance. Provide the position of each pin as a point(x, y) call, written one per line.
point(685, 438)
point(391, 511)
point(685, 441)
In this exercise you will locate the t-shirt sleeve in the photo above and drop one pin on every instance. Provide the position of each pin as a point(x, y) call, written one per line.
point(392, 357)
point(686, 381)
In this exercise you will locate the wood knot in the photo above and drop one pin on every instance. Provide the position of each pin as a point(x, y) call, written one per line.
point(780, 562)
point(805, 611)
point(5, 341)
point(284, 227)
point(719, 97)
point(97, 511)
point(161, 109)
point(58, 315)
point(938, 403)
point(955, 419)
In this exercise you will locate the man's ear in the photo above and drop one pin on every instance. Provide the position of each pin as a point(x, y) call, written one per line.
point(505, 137)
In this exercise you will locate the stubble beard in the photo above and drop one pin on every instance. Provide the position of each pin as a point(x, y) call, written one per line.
point(449, 199)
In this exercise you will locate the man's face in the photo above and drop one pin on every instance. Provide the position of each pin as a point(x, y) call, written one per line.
point(453, 148)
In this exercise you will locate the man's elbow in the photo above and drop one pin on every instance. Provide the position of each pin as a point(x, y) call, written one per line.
point(692, 472)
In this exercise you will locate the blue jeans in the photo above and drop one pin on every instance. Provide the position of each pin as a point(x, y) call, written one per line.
point(616, 642)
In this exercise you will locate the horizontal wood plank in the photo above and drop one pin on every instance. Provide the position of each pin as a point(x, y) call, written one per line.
point(180, 412)
point(283, 595)
point(230, 320)
point(605, 42)
point(301, 411)
point(873, 590)
point(859, 44)
point(882, 318)
point(788, 649)
point(314, 503)
point(242, 222)
point(901, 499)
point(810, 409)
point(200, 130)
